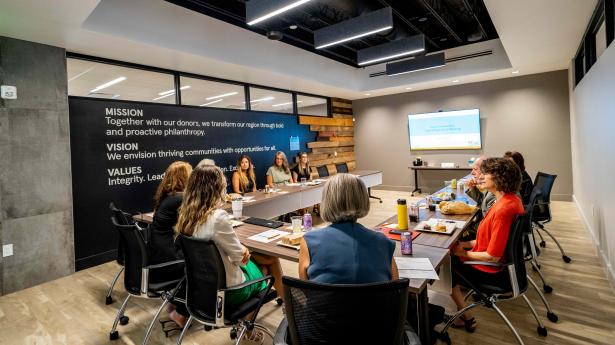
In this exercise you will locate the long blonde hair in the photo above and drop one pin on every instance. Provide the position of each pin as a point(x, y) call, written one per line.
point(301, 170)
point(203, 195)
point(174, 181)
point(245, 177)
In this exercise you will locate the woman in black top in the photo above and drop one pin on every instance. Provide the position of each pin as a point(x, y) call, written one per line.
point(161, 245)
point(526, 181)
point(244, 180)
point(167, 200)
point(302, 168)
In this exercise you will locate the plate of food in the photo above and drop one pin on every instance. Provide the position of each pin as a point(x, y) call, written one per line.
point(438, 226)
point(291, 240)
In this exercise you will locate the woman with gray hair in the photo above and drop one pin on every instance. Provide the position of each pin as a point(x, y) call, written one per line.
point(346, 252)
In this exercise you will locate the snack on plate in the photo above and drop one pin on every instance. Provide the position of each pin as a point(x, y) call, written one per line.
point(440, 227)
point(292, 239)
point(456, 207)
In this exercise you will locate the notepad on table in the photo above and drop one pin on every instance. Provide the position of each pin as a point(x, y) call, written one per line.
point(268, 236)
point(415, 268)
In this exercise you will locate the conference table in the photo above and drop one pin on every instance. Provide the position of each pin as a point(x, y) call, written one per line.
point(286, 199)
point(435, 247)
point(418, 168)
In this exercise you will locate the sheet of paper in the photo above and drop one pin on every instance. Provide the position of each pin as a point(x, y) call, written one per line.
point(413, 264)
point(268, 236)
point(415, 268)
point(418, 274)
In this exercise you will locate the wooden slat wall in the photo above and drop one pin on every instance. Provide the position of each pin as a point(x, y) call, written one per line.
point(335, 137)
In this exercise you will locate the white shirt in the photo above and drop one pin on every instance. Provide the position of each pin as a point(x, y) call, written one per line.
point(218, 228)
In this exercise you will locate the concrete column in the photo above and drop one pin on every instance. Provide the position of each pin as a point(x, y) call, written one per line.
point(35, 172)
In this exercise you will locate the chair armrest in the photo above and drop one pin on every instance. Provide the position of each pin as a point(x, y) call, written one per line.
point(484, 263)
point(281, 333)
point(248, 283)
point(164, 264)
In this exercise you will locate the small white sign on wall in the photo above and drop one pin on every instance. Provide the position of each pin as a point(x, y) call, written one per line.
point(8, 92)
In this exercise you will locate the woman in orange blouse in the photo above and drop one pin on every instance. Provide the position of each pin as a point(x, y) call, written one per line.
point(501, 177)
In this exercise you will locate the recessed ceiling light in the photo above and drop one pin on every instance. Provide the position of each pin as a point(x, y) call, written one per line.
point(282, 104)
point(268, 98)
point(172, 90)
point(255, 5)
point(515, 72)
point(221, 96)
point(107, 84)
point(423, 19)
point(293, 27)
point(455, 81)
point(368, 94)
point(164, 96)
point(408, 88)
point(212, 102)
point(443, 39)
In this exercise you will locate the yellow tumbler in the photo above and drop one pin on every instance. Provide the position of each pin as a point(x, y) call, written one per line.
point(402, 214)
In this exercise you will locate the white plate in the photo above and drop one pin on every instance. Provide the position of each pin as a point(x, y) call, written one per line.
point(280, 243)
point(450, 227)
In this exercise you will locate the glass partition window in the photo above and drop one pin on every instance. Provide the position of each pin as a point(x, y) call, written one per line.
point(274, 101)
point(315, 106)
point(206, 93)
point(100, 80)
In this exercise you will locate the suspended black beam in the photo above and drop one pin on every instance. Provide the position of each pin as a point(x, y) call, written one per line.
point(404, 20)
point(438, 11)
point(470, 9)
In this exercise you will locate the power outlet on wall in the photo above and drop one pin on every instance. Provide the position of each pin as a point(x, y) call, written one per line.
point(7, 250)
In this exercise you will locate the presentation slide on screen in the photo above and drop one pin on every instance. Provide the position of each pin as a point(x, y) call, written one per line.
point(451, 130)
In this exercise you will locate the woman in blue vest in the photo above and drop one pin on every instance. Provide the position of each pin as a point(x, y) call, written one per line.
point(346, 252)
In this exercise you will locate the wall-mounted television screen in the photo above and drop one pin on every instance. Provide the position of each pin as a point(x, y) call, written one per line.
point(445, 130)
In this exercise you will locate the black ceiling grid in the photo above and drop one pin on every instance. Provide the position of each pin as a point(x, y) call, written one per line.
point(445, 23)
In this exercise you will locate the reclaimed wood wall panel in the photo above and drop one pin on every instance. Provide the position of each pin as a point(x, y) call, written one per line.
point(335, 137)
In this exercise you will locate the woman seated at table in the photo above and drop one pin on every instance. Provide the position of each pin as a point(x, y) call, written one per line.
point(526, 181)
point(167, 200)
point(302, 169)
point(501, 177)
point(346, 252)
point(201, 217)
point(161, 246)
point(243, 179)
point(279, 173)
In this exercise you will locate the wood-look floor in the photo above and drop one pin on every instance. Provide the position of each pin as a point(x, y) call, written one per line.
point(71, 310)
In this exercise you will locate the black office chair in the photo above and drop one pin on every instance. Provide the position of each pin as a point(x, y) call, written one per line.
point(121, 218)
point(516, 286)
point(531, 253)
point(341, 168)
point(542, 211)
point(324, 314)
point(142, 279)
point(322, 171)
point(206, 289)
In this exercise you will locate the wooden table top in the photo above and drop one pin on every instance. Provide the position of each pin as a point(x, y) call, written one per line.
point(434, 254)
point(262, 197)
point(433, 239)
